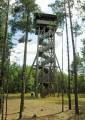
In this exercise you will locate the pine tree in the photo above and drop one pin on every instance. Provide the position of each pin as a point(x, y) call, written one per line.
point(4, 52)
point(25, 8)
point(75, 65)
point(69, 89)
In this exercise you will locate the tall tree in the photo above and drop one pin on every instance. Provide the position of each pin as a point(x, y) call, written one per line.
point(1, 38)
point(30, 7)
point(61, 7)
point(24, 23)
point(69, 89)
point(4, 51)
point(74, 59)
point(58, 9)
point(62, 78)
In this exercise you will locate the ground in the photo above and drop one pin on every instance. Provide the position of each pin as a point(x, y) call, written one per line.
point(48, 108)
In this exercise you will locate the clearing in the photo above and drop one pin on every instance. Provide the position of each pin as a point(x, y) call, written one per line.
point(48, 108)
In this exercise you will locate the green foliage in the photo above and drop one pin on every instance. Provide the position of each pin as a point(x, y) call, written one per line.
point(78, 61)
point(77, 29)
point(81, 84)
point(21, 10)
point(3, 21)
point(58, 10)
point(30, 79)
point(81, 74)
point(83, 49)
point(14, 84)
point(58, 6)
point(14, 80)
point(30, 5)
point(15, 76)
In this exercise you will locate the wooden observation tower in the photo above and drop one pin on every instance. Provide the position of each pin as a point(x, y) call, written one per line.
point(45, 58)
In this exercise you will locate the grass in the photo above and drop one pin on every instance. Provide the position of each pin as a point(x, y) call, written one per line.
point(48, 108)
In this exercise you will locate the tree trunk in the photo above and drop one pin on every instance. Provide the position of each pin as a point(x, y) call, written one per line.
point(69, 89)
point(3, 70)
point(23, 72)
point(75, 65)
point(62, 84)
point(37, 71)
point(7, 82)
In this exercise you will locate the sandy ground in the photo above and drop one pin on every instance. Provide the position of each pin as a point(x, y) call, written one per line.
point(33, 108)
point(40, 109)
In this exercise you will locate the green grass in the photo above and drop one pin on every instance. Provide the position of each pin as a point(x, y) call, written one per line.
point(32, 101)
point(51, 99)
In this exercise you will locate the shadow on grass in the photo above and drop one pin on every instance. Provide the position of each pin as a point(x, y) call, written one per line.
point(82, 95)
point(13, 113)
point(55, 116)
point(29, 97)
point(74, 117)
point(50, 116)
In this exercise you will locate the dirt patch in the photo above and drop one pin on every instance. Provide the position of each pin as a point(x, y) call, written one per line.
point(41, 109)
point(38, 108)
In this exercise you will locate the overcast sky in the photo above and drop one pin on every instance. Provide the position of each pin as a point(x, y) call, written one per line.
point(17, 56)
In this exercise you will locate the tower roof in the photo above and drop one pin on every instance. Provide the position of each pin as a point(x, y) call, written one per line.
point(43, 16)
point(45, 21)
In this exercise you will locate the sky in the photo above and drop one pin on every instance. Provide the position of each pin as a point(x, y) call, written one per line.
point(17, 56)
